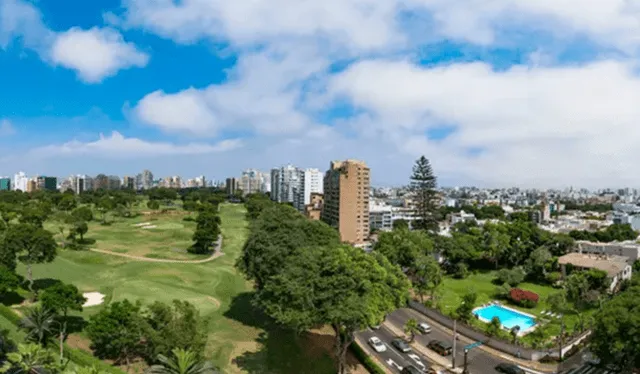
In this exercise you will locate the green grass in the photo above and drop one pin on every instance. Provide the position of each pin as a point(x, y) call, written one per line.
point(452, 291)
point(236, 330)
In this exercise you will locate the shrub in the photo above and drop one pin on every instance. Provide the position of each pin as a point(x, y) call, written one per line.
point(365, 360)
point(553, 278)
point(461, 271)
point(188, 219)
point(525, 298)
point(502, 292)
point(512, 277)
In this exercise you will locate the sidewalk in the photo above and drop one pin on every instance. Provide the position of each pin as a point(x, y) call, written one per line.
point(431, 355)
point(534, 365)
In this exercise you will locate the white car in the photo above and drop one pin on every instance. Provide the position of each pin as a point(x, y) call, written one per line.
point(417, 361)
point(377, 344)
point(424, 328)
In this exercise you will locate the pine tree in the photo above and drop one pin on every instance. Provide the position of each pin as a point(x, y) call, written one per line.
point(423, 185)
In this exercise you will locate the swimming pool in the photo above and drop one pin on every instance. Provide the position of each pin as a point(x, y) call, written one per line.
point(509, 318)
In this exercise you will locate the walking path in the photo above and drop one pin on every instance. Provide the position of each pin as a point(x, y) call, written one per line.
point(217, 252)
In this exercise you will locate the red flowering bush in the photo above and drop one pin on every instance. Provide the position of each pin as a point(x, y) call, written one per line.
point(523, 297)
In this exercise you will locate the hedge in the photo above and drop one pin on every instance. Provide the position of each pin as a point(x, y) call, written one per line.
point(369, 364)
point(77, 356)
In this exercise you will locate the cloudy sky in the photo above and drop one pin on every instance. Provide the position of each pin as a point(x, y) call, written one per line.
point(531, 93)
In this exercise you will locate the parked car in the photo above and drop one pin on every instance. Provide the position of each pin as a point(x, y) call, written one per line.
point(377, 344)
point(509, 368)
point(424, 328)
point(440, 347)
point(401, 345)
point(410, 369)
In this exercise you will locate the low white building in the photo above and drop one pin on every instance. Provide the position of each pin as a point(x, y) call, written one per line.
point(461, 216)
point(382, 215)
point(629, 249)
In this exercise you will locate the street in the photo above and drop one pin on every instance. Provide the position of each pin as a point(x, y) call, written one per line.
point(479, 361)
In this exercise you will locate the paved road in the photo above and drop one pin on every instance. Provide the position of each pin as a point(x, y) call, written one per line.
point(479, 361)
point(217, 252)
point(393, 358)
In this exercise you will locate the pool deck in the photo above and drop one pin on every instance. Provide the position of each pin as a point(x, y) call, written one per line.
point(521, 333)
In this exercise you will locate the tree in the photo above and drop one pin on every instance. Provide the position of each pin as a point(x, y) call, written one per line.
point(35, 213)
point(428, 276)
point(275, 234)
point(340, 286)
point(466, 306)
point(83, 213)
point(117, 332)
point(495, 242)
point(33, 245)
point(538, 261)
point(30, 358)
point(182, 362)
point(614, 339)
point(411, 329)
point(67, 203)
point(61, 298)
point(62, 220)
point(175, 326)
point(104, 206)
point(512, 277)
point(39, 325)
point(79, 228)
point(207, 230)
point(153, 204)
point(403, 247)
point(400, 224)
point(423, 184)
point(494, 327)
point(9, 281)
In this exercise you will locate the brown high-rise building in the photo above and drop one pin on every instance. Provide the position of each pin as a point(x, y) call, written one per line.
point(346, 200)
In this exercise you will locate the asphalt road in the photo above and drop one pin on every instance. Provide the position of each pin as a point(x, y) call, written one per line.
point(479, 361)
point(393, 358)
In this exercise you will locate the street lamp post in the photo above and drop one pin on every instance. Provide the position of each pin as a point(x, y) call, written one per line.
point(466, 368)
point(453, 356)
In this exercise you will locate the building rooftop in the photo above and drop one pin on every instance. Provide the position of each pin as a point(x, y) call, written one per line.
point(612, 265)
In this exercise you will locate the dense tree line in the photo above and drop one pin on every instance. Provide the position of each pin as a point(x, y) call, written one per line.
point(615, 232)
point(480, 212)
point(305, 278)
point(600, 208)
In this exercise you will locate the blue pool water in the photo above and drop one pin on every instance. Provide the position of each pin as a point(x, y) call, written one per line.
point(508, 318)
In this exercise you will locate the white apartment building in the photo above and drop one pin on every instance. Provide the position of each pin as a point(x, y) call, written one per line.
point(20, 181)
point(252, 181)
point(310, 181)
point(284, 181)
point(462, 216)
point(629, 249)
point(382, 215)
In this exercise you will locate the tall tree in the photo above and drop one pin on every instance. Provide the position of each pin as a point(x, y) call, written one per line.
point(39, 325)
point(340, 286)
point(403, 247)
point(117, 332)
point(32, 244)
point(428, 276)
point(423, 184)
point(181, 362)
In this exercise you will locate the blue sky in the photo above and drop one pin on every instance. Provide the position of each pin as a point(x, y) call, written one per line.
point(528, 93)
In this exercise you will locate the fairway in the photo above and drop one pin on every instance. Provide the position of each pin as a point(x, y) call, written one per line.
point(240, 339)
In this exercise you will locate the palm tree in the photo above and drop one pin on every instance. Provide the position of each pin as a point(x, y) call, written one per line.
point(411, 328)
point(183, 362)
point(29, 359)
point(38, 323)
point(86, 370)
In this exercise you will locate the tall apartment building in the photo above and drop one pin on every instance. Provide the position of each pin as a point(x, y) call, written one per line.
point(47, 183)
point(171, 182)
point(129, 182)
point(252, 181)
point(114, 182)
point(144, 180)
point(20, 181)
point(77, 184)
point(230, 186)
point(284, 181)
point(5, 184)
point(101, 182)
point(346, 200)
point(311, 182)
point(31, 185)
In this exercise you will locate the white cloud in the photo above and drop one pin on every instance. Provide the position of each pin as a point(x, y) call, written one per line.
point(95, 53)
point(6, 128)
point(264, 94)
point(117, 146)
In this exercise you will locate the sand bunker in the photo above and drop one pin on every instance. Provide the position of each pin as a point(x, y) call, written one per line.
point(142, 224)
point(149, 227)
point(93, 299)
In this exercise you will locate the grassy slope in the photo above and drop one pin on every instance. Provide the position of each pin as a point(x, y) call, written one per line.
point(236, 330)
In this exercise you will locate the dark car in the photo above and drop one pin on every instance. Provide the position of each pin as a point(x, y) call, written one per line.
point(401, 345)
point(410, 369)
point(440, 347)
point(509, 369)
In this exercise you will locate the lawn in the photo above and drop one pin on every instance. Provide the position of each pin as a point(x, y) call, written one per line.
point(453, 289)
point(240, 339)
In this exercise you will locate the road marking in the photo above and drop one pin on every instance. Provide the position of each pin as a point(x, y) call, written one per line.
point(392, 363)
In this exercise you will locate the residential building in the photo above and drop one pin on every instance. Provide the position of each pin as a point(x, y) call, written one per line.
point(230, 186)
point(114, 182)
point(285, 181)
point(101, 182)
point(20, 181)
point(380, 216)
point(129, 182)
point(32, 186)
point(629, 249)
point(617, 268)
point(252, 181)
point(144, 180)
point(76, 184)
point(47, 183)
point(171, 182)
point(88, 183)
point(313, 210)
point(5, 184)
point(311, 182)
point(346, 200)
point(461, 216)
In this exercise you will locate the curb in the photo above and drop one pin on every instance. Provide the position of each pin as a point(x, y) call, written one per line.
point(365, 347)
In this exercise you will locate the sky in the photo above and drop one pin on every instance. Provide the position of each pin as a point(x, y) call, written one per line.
point(529, 93)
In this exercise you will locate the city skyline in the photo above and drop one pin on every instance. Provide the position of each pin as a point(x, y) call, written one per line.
point(117, 86)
